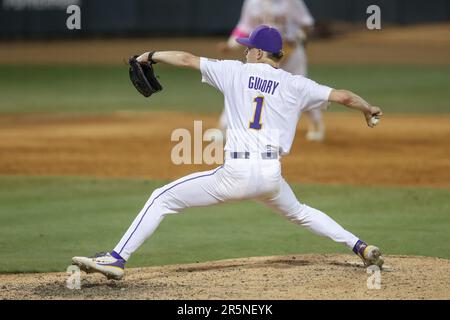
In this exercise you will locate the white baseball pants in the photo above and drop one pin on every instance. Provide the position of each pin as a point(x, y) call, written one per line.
point(254, 178)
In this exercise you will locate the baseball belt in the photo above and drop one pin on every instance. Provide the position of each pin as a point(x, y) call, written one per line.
point(246, 155)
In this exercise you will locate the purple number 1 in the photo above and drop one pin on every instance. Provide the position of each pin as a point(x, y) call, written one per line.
point(256, 123)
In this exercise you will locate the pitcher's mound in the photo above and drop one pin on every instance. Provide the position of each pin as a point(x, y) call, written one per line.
point(308, 276)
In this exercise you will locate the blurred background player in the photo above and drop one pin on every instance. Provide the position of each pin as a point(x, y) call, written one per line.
point(294, 21)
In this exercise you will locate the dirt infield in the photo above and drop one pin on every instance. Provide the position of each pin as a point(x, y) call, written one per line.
point(279, 277)
point(404, 150)
point(420, 44)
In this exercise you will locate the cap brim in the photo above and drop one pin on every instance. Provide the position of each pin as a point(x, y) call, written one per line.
point(244, 41)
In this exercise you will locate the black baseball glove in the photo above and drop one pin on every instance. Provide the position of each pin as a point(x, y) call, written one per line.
point(143, 77)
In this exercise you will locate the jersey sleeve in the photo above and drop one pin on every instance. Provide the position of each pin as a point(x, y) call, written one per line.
point(218, 73)
point(310, 94)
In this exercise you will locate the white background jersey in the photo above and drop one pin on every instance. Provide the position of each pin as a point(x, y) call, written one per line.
point(285, 15)
point(262, 104)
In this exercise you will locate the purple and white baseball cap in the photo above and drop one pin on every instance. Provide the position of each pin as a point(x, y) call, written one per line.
point(265, 38)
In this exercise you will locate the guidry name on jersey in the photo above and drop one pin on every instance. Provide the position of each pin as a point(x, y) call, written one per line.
point(265, 86)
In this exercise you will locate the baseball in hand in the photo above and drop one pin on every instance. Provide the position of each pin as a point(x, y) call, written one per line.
point(374, 120)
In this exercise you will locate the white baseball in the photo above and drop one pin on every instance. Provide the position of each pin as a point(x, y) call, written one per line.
point(374, 120)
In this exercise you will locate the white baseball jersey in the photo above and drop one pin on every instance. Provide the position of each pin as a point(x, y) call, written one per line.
point(288, 17)
point(285, 15)
point(262, 104)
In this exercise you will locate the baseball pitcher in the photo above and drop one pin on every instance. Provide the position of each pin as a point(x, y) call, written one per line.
point(263, 104)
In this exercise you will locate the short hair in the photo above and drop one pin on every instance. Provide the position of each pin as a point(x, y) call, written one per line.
point(275, 56)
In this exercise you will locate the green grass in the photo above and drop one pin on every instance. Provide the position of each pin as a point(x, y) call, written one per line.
point(44, 221)
point(100, 89)
point(394, 88)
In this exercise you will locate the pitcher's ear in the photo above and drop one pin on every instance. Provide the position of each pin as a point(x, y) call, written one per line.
point(260, 54)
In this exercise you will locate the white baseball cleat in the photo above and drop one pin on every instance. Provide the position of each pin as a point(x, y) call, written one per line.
point(315, 135)
point(370, 255)
point(102, 263)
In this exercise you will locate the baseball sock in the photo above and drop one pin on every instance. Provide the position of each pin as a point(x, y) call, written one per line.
point(117, 256)
point(359, 248)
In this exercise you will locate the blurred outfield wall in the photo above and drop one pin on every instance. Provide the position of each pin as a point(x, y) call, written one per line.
point(47, 18)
